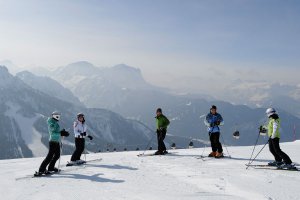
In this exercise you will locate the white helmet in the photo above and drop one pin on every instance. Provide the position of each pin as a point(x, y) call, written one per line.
point(80, 115)
point(56, 115)
point(270, 111)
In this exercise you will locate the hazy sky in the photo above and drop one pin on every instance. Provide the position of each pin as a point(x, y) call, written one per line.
point(173, 42)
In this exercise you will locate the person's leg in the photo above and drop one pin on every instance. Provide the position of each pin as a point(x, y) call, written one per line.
point(214, 141)
point(158, 144)
point(160, 141)
point(81, 146)
point(218, 143)
point(163, 136)
point(48, 158)
point(55, 156)
point(76, 152)
point(273, 152)
point(280, 153)
point(211, 138)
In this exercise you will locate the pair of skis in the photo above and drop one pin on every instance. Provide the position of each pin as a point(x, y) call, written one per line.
point(268, 167)
point(152, 154)
point(74, 167)
point(205, 158)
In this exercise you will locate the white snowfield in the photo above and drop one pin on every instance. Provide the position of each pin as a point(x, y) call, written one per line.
point(177, 176)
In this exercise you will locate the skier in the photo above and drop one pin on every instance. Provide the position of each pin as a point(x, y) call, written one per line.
point(282, 160)
point(213, 121)
point(162, 123)
point(55, 134)
point(80, 129)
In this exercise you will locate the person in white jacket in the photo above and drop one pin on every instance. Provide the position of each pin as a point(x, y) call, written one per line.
point(80, 134)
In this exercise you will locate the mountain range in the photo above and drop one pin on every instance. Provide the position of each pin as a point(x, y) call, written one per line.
point(123, 90)
point(24, 111)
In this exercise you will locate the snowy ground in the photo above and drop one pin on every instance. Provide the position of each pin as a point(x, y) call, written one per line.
point(177, 176)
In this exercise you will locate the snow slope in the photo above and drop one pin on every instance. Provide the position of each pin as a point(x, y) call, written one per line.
point(179, 175)
point(29, 134)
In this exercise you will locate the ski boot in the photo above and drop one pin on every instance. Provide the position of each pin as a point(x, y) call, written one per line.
point(275, 163)
point(287, 166)
point(158, 153)
point(219, 155)
point(54, 170)
point(212, 154)
point(80, 162)
point(40, 173)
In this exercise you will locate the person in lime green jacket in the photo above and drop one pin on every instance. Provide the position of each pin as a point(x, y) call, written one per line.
point(162, 123)
point(282, 160)
point(53, 155)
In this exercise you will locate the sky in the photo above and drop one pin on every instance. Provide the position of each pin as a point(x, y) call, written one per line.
point(180, 44)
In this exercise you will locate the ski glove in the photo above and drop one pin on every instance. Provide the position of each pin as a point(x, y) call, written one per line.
point(90, 137)
point(83, 134)
point(64, 133)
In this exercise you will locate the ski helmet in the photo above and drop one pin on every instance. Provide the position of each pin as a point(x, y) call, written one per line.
point(80, 115)
point(270, 111)
point(56, 115)
point(159, 110)
point(213, 107)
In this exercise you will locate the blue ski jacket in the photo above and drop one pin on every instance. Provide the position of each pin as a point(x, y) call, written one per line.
point(213, 122)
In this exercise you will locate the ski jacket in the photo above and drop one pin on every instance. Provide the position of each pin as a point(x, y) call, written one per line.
point(162, 122)
point(211, 122)
point(54, 130)
point(273, 128)
point(79, 127)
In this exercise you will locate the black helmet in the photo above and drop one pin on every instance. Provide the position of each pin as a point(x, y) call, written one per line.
point(159, 110)
point(213, 107)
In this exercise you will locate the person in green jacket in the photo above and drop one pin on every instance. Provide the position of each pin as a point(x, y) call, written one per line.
point(53, 155)
point(162, 123)
point(282, 160)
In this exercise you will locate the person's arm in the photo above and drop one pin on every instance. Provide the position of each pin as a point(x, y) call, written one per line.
point(207, 121)
point(77, 131)
point(275, 127)
point(167, 122)
point(221, 121)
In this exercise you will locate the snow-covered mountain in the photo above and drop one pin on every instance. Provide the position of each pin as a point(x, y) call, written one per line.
point(48, 86)
point(12, 68)
point(101, 87)
point(24, 111)
point(176, 176)
point(122, 89)
point(264, 94)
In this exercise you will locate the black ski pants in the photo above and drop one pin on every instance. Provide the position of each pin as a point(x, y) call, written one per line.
point(161, 135)
point(52, 157)
point(277, 152)
point(79, 148)
point(215, 142)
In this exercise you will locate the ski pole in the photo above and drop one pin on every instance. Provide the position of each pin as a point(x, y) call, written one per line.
point(254, 147)
point(225, 146)
point(257, 155)
point(150, 141)
point(84, 150)
point(61, 151)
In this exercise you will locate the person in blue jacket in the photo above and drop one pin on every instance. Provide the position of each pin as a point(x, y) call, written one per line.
point(213, 120)
point(53, 155)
